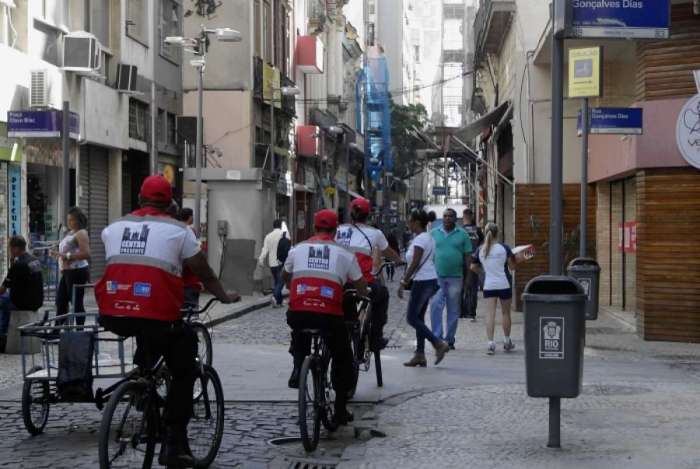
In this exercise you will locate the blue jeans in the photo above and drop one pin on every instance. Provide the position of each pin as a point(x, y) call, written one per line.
point(277, 283)
point(6, 307)
point(421, 292)
point(450, 294)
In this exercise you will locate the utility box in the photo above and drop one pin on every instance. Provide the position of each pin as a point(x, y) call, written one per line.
point(555, 328)
point(587, 272)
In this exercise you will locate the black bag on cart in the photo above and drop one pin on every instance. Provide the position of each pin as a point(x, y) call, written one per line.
point(75, 354)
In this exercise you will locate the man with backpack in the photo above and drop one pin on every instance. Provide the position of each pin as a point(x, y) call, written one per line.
point(275, 249)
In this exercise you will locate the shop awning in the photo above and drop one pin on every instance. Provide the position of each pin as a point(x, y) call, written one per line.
point(473, 130)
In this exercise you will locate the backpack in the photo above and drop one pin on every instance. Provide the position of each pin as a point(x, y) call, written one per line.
point(283, 247)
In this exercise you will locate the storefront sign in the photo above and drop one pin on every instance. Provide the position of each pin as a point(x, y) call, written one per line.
point(614, 121)
point(14, 212)
point(688, 131)
point(584, 72)
point(40, 124)
point(637, 19)
point(627, 237)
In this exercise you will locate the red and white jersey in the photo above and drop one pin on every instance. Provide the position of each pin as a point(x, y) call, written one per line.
point(320, 268)
point(361, 240)
point(145, 252)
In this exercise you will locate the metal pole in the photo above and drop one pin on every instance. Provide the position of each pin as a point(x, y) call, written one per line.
point(65, 141)
point(583, 236)
point(557, 142)
point(347, 176)
point(554, 423)
point(198, 151)
point(153, 163)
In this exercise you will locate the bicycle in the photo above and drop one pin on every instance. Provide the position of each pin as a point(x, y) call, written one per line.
point(133, 422)
point(205, 350)
point(316, 394)
point(360, 337)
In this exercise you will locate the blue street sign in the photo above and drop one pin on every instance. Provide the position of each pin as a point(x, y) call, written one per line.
point(614, 120)
point(439, 190)
point(638, 19)
point(14, 212)
point(40, 124)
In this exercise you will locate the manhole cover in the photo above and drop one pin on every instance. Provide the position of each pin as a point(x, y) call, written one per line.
point(613, 390)
point(311, 464)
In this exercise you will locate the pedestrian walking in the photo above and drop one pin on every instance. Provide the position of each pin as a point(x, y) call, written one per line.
point(73, 254)
point(421, 280)
point(452, 251)
point(471, 279)
point(393, 240)
point(432, 216)
point(271, 253)
point(496, 260)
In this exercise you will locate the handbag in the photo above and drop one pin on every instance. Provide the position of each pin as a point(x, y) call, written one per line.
point(409, 285)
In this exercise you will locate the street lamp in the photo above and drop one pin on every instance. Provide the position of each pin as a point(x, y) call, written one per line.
point(199, 46)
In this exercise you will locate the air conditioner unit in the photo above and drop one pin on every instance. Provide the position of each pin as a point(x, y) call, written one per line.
point(39, 89)
point(126, 78)
point(81, 52)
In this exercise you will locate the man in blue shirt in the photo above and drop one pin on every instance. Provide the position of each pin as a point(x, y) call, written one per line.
point(452, 250)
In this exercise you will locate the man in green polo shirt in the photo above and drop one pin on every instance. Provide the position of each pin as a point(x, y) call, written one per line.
point(452, 249)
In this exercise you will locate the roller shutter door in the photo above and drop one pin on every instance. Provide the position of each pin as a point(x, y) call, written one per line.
point(94, 179)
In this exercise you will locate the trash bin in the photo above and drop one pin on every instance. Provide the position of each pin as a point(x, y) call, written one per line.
point(555, 327)
point(587, 272)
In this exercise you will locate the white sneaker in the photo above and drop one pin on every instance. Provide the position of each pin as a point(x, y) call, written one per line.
point(491, 349)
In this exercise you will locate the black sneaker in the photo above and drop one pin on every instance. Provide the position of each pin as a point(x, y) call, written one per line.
point(343, 416)
point(452, 346)
point(293, 382)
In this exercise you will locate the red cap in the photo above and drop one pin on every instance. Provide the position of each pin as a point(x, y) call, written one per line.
point(326, 218)
point(361, 204)
point(156, 189)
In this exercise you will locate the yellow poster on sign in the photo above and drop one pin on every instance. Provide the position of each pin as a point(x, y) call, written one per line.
point(585, 72)
point(271, 85)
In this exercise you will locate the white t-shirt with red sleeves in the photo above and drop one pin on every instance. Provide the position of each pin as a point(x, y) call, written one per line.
point(361, 239)
point(320, 268)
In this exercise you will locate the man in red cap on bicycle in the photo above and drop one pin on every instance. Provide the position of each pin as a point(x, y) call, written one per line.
point(365, 241)
point(141, 294)
point(315, 272)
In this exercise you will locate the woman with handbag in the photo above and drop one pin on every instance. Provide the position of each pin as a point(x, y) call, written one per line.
point(421, 280)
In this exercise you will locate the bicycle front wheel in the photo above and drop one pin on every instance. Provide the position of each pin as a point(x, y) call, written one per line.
point(206, 428)
point(127, 430)
point(310, 402)
point(205, 351)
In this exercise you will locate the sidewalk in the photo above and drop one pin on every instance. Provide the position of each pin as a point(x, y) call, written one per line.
point(639, 407)
point(11, 365)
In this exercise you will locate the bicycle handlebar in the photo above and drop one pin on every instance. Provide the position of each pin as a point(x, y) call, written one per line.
point(189, 311)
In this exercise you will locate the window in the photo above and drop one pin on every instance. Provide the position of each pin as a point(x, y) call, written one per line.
point(160, 126)
point(55, 12)
point(100, 20)
point(169, 25)
point(257, 29)
point(172, 130)
point(45, 43)
point(267, 27)
point(139, 120)
point(137, 20)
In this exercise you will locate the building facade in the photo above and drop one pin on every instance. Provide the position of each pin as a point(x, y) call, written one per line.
point(110, 121)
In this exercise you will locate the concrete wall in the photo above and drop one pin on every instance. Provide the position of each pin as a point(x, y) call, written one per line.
point(390, 14)
point(227, 124)
point(105, 115)
point(229, 65)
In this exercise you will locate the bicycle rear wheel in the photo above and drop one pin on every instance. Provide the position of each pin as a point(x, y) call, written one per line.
point(205, 351)
point(128, 429)
point(36, 398)
point(206, 428)
point(310, 402)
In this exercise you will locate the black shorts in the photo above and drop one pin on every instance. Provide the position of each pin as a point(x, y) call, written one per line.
point(504, 294)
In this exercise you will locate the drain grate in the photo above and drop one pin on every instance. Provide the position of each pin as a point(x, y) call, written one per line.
point(311, 464)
